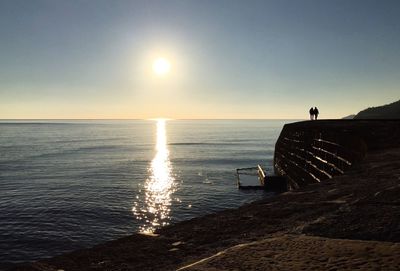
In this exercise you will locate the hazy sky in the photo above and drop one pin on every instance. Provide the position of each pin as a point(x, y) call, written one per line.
point(230, 59)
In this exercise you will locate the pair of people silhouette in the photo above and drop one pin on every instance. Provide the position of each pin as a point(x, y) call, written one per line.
point(314, 113)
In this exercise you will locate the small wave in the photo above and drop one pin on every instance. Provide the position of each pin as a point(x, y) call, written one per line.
point(97, 148)
point(63, 152)
point(86, 140)
point(198, 143)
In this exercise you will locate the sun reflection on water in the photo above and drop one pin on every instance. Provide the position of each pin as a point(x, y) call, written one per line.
point(155, 208)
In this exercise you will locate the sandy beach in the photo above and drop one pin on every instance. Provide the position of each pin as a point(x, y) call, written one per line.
point(300, 252)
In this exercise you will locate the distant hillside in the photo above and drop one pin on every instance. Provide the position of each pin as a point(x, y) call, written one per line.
point(349, 117)
point(389, 111)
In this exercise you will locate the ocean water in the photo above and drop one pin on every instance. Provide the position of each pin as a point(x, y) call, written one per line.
point(66, 185)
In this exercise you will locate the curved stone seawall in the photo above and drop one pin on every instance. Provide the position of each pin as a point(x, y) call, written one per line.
point(313, 151)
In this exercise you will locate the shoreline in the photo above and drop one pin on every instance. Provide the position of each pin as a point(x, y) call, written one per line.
point(349, 221)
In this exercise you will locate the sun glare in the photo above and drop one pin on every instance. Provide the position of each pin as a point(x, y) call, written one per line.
point(161, 66)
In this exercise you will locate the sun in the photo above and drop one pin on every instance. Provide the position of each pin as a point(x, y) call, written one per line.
point(161, 66)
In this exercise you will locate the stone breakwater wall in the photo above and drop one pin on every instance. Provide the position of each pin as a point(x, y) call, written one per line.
point(312, 151)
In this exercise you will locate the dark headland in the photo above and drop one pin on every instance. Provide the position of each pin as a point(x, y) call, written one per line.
point(388, 111)
point(343, 213)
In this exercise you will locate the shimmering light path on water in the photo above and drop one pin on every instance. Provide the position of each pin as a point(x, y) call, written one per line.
point(154, 210)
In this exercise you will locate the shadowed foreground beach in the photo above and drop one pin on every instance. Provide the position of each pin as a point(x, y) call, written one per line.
point(344, 223)
point(298, 252)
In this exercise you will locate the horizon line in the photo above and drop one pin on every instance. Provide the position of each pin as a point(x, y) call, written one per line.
point(20, 119)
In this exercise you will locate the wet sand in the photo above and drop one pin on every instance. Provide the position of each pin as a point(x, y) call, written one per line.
point(347, 222)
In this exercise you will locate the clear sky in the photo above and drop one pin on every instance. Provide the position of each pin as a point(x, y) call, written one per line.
point(229, 59)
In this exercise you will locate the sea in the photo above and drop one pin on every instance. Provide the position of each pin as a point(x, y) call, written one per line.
point(71, 184)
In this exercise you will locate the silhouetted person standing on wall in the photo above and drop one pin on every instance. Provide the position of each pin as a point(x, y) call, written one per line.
point(311, 113)
point(316, 112)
